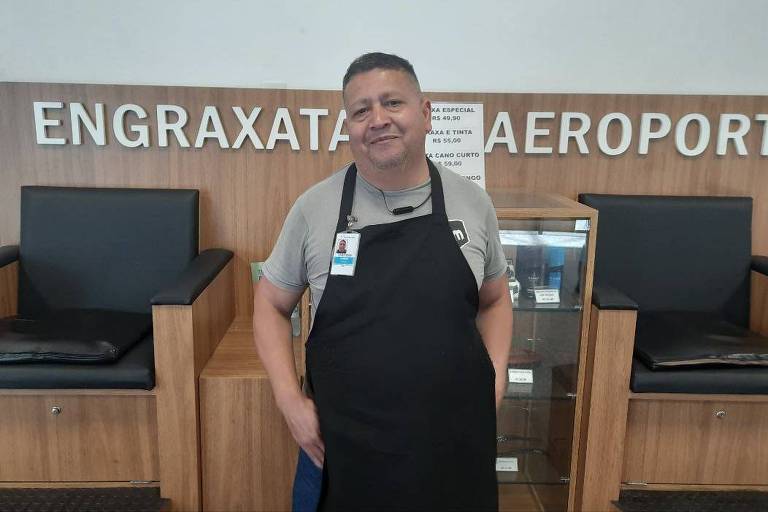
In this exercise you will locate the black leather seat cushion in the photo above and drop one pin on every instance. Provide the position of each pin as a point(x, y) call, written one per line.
point(72, 336)
point(699, 380)
point(135, 370)
point(683, 339)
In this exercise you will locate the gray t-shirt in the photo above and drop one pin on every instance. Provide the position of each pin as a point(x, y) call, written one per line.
point(302, 254)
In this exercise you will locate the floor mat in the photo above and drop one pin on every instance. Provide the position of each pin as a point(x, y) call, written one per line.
point(692, 501)
point(106, 499)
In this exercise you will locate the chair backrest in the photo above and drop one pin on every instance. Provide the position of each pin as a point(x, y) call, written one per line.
point(102, 248)
point(674, 253)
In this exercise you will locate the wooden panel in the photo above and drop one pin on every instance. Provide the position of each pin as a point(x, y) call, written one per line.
point(185, 336)
point(758, 306)
point(611, 339)
point(683, 442)
point(9, 286)
point(583, 382)
point(249, 455)
point(246, 193)
point(94, 438)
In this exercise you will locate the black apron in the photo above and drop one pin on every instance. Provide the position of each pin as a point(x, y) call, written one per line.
point(402, 381)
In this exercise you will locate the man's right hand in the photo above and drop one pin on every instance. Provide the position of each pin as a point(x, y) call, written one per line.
point(301, 416)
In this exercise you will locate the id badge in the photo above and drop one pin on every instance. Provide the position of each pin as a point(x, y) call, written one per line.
point(344, 257)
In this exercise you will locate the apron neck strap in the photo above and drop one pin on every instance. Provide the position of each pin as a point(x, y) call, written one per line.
point(347, 198)
point(438, 200)
point(348, 195)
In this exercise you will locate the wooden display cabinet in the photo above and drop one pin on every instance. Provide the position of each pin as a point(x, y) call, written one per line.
point(548, 242)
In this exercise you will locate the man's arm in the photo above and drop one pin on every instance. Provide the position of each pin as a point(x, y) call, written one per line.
point(272, 307)
point(494, 321)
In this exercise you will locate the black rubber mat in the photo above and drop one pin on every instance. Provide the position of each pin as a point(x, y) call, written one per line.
point(117, 499)
point(692, 501)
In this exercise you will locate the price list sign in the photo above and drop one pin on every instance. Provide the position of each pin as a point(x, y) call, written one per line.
point(457, 139)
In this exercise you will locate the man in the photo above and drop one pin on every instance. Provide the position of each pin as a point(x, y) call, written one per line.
point(412, 328)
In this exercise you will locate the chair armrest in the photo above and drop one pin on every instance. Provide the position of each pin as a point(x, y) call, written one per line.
point(188, 320)
point(8, 254)
point(195, 278)
point(608, 297)
point(605, 398)
point(760, 264)
point(9, 280)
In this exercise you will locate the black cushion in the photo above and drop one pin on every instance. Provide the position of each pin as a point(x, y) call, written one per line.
point(752, 381)
point(113, 249)
point(760, 264)
point(135, 370)
point(683, 339)
point(672, 253)
point(8, 254)
point(197, 276)
point(608, 297)
point(71, 336)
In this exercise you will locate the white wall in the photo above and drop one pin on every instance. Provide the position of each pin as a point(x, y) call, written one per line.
point(619, 46)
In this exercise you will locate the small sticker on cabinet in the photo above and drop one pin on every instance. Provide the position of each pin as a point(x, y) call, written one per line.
point(520, 375)
point(506, 463)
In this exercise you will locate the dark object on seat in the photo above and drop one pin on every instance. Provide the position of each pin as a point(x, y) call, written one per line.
point(685, 263)
point(117, 499)
point(135, 370)
point(672, 340)
point(699, 380)
point(77, 336)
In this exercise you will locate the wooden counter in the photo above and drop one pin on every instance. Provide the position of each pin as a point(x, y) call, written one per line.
point(248, 453)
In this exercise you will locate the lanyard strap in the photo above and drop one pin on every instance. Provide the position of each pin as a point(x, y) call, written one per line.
point(348, 195)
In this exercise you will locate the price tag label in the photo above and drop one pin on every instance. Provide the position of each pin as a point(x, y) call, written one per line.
point(520, 375)
point(506, 463)
point(581, 225)
point(547, 295)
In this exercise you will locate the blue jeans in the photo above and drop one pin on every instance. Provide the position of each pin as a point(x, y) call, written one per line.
point(307, 484)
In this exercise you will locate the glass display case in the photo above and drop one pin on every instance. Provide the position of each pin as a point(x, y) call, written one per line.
point(548, 242)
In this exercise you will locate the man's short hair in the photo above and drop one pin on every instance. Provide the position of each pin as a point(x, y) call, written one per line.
point(378, 60)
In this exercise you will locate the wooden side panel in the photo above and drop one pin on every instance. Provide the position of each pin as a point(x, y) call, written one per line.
point(9, 286)
point(213, 313)
point(185, 337)
point(249, 455)
point(758, 305)
point(686, 442)
point(611, 339)
point(94, 438)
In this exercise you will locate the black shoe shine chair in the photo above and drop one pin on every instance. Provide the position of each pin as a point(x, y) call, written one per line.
point(108, 313)
point(678, 332)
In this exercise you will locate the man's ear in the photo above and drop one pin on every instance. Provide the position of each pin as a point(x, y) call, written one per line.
point(427, 111)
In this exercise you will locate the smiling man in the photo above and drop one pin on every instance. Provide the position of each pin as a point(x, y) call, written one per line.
point(407, 356)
